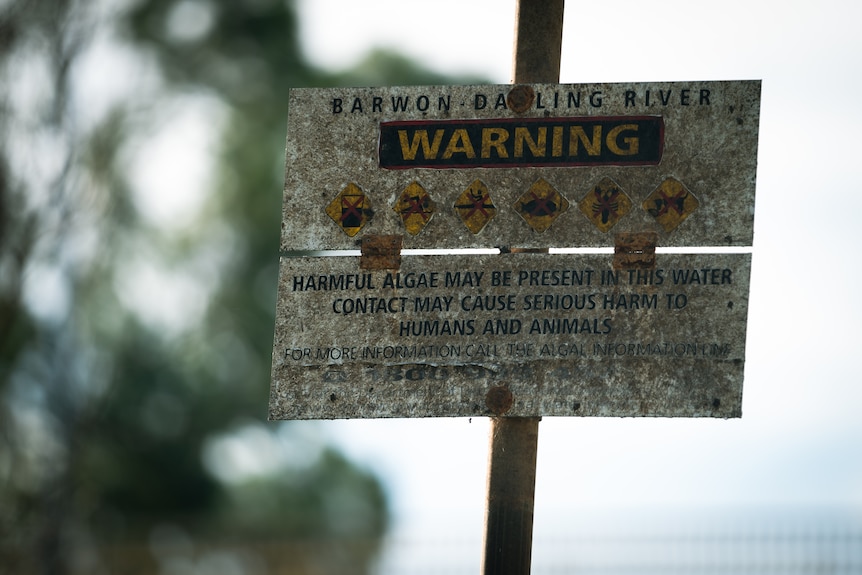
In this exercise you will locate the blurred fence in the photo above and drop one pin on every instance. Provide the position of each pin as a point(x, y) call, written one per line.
point(738, 553)
point(780, 550)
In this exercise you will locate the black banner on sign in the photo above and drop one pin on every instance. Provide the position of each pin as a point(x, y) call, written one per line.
point(511, 143)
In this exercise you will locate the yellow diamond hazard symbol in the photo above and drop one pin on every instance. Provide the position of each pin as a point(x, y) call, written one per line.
point(415, 207)
point(670, 204)
point(474, 206)
point(351, 209)
point(541, 205)
point(605, 204)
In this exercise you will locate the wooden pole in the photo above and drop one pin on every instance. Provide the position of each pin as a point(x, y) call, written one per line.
point(538, 41)
point(514, 440)
point(511, 489)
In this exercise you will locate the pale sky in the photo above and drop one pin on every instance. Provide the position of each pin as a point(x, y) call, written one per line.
point(799, 439)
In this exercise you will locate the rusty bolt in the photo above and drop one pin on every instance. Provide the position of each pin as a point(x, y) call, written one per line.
point(499, 399)
point(520, 99)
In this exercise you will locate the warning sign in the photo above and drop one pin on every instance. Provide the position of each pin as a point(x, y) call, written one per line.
point(415, 207)
point(521, 142)
point(670, 204)
point(351, 209)
point(605, 204)
point(568, 335)
point(630, 330)
point(475, 207)
point(541, 205)
point(641, 136)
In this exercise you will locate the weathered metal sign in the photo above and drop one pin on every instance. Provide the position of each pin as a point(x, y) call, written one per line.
point(631, 334)
point(556, 334)
point(644, 157)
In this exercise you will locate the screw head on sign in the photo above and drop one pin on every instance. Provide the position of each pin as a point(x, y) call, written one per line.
point(670, 204)
point(605, 204)
point(520, 98)
point(541, 205)
point(474, 206)
point(415, 207)
point(351, 209)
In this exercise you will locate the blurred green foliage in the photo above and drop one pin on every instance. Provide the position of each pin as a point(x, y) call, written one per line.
point(109, 424)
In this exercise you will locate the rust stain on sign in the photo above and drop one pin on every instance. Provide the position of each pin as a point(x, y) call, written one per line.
point(520, 98)
point(381, 253)
point(635, 251)
point(499, 399)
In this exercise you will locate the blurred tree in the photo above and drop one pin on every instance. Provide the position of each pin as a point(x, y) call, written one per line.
point(115, 431)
